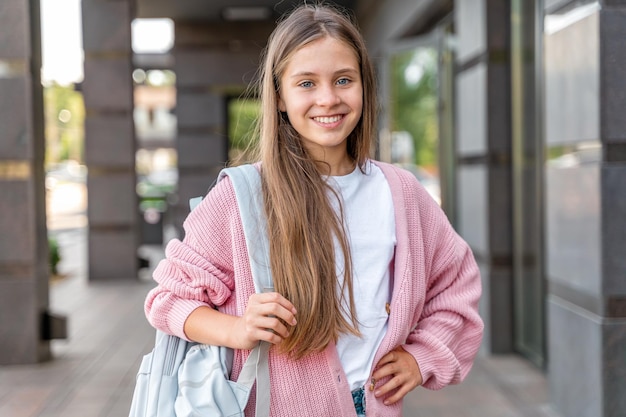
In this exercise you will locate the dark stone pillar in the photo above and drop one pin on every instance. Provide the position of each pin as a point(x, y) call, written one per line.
point(23, 236)
point(110, 140)
point(586, 210)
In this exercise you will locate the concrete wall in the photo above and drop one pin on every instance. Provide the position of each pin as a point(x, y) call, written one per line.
point(586, 209)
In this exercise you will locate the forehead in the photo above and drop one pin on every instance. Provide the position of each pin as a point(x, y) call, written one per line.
point(322, 55)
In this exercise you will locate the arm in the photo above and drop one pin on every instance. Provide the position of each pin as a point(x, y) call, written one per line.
point(199, 274)
point(449, 331)
point(260, 322)
point(440, 350)
point(445, 329)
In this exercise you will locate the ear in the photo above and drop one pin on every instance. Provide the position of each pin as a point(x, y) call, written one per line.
point(281, 104)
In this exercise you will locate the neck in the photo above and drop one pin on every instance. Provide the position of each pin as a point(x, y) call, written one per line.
point(333, 162)
point(335, 168)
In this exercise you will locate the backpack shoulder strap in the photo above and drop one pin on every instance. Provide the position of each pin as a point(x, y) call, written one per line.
point(246, 181)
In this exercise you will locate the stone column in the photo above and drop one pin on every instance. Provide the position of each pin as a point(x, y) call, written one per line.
point(110, 140)
point(213, 62)
point(483, 148)
point(24, 321)
point(612, 331)
point(586, 209)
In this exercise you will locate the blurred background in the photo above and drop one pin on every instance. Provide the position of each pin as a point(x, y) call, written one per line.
point(511, 114)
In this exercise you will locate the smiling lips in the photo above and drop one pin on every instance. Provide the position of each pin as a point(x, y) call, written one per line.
point(328, 119)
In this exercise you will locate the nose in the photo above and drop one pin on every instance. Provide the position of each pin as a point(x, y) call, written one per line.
point(327, 96)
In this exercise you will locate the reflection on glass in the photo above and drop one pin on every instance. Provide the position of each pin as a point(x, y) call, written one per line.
point(574, 155)
point(414, 138)
point(563, 18)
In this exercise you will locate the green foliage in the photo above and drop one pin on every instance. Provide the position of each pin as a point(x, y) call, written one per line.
point(54, 255)
point(242, 116)
point(414, 101)
point(64, 113)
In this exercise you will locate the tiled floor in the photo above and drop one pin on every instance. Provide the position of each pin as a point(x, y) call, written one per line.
point(497, 386)
point(93, 372)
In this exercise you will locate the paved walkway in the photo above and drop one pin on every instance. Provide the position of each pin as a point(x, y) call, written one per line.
point(93, 372)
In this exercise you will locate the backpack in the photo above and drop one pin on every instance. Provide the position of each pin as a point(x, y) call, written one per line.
point(186, 379)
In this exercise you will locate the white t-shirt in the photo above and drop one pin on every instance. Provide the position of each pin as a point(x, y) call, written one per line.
point(370, 224)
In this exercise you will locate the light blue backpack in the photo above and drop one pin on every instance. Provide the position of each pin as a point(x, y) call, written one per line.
point(184, 379)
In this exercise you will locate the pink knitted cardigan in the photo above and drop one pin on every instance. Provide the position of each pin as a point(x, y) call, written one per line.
point(434, 306)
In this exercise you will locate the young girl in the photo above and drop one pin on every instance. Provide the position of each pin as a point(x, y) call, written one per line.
point(374, 292)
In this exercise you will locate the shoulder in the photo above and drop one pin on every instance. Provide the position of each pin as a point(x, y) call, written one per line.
point(401, 181)
point(217, 206)
point(395, 173)
point(224, 186)
point(411, 199)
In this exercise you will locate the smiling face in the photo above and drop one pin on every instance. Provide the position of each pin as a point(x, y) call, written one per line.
point(322, 93)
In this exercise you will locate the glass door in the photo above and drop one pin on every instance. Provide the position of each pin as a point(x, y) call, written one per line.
point(527, 164)
point(411, 137)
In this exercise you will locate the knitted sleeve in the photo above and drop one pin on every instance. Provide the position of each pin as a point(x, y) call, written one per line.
point(449, 329)
point(197, 271)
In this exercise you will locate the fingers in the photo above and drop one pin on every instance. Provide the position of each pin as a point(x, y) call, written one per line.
point(272, 326)
point(388, 358)
point(267, 333)
point(272, 305)
point(404, 372)
point(396, 387)
point(268, 317)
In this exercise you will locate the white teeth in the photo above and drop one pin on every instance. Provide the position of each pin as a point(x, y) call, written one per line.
point(327, 119)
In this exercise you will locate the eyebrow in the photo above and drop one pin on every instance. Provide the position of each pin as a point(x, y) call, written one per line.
point(309, 73)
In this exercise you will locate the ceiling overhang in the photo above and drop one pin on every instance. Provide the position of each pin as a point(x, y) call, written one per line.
point(220, 10)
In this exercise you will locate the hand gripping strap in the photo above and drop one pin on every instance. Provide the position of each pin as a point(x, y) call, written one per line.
point(246, 182)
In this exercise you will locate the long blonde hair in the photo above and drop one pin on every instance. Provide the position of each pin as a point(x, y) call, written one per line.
point(302, 224)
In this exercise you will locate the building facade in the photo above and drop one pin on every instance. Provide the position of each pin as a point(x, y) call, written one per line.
point(531, 113)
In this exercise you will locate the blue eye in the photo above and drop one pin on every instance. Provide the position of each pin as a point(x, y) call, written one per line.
point(343, 81)
point(306, 84)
